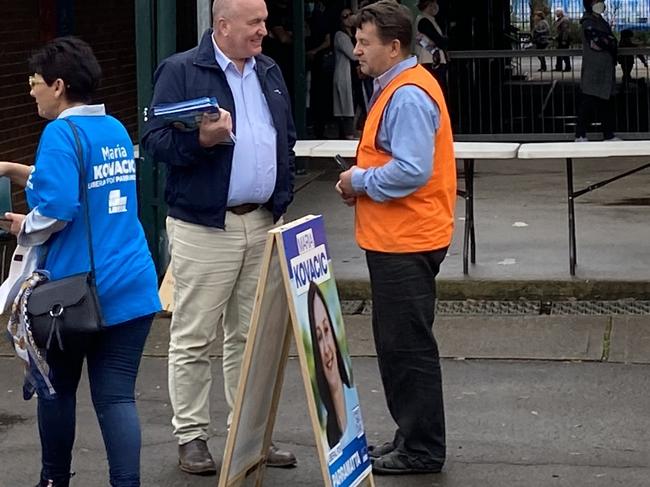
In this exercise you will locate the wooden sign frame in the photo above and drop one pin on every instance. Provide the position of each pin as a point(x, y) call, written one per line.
point(262, 373)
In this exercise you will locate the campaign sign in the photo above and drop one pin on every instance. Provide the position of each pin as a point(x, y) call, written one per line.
point(322, 337)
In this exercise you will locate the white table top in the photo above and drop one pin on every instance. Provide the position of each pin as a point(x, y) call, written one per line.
point(303, 148)
point(463, 150)
point(485, 150)
point(329, 148)
point(564, 150)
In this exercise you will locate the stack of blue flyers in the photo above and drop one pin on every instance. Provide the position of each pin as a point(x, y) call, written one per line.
point(186, 114)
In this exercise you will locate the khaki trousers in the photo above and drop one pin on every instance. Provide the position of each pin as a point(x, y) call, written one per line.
point(215, 278)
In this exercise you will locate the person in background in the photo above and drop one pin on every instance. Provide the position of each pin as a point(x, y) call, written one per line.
point(541, 36)
point(344, 73)
point(562, 28)
point(598, 73)
point(223, 198)
point(65, 76)
point(403, 189)
point(627, 61)
point(430, 42)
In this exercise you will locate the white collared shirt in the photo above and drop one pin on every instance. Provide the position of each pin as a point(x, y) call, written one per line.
point(254, 162)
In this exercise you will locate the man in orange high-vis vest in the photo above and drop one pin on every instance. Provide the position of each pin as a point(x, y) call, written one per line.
point(404, 190)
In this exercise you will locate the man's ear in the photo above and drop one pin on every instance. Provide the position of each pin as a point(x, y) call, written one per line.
point(395, 48)
point(221, 26)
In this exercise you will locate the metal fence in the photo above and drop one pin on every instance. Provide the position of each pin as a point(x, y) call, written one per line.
point(621, 14)
point(505, 95)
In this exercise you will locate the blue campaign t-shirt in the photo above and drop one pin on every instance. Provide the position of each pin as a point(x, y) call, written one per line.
point(126, 278)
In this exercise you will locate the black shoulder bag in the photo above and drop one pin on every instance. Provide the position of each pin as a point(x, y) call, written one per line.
point(67, 306)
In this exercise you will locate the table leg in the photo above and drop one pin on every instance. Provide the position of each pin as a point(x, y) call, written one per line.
point(469, 214)
point(472, 242)
point(572, 221)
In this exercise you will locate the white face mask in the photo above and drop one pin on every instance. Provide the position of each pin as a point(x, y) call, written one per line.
point(599, 8)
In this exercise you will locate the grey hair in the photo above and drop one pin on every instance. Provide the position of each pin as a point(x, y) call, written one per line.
point(220, 8)
point(559, 9)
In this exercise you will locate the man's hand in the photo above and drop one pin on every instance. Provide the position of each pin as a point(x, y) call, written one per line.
point(16, 220)
point(347, 199)
point(345, 181)
point(345, 189)
point(213, 129)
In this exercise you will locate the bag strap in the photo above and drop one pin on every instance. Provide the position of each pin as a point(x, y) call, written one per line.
point(83, 194)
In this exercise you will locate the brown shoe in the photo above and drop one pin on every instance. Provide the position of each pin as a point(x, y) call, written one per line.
point(280, 458)
point(194, 457)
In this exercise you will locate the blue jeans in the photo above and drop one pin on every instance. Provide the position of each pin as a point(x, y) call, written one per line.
point(113, 357)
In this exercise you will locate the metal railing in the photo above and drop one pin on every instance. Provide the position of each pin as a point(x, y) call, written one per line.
point(621, 14)
point(507, 95)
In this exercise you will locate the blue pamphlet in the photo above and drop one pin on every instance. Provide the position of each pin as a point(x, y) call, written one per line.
point(187, 113)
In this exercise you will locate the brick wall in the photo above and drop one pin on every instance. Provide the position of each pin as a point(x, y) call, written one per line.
point(20, 125)
point(108, 26)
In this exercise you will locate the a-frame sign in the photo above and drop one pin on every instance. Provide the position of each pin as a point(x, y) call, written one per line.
point(297, 296)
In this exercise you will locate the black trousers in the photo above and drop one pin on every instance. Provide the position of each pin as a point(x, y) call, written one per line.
point(560, 59)
point(403, 306)
point(594, 108)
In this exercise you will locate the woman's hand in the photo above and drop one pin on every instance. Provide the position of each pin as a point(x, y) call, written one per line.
point(16, 220)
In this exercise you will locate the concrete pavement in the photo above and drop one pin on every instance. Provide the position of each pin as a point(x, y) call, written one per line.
point(521, 232)
point(575, 418)
point(573, 413)
point(510, 423)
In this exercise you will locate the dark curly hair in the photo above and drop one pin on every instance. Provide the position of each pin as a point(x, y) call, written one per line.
point(72, 60)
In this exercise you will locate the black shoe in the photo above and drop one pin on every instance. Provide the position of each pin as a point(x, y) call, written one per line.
point(399, 463)
point(280, 458)
point(52, 483)
point(194, 457)
point(377, 451)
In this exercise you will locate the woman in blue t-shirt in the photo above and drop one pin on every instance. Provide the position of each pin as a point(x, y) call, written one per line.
point(65, 76)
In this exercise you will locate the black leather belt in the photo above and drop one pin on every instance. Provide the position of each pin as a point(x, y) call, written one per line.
point(243, 208)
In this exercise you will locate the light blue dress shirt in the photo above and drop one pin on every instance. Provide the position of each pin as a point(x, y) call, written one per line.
point(254, 162)
point(407, 131)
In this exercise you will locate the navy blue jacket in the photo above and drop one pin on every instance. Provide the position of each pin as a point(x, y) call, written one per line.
point(198, 178)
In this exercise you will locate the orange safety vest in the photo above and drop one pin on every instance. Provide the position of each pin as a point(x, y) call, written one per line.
point(424, 220)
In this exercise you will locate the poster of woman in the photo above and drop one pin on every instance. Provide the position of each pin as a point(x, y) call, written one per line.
point(329, 369)
point(317, 311)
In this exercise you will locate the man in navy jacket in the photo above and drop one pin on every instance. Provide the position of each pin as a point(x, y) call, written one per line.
point(228, 183)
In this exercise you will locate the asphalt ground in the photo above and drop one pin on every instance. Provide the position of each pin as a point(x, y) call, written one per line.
point(531, 400)
point(509, 423)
